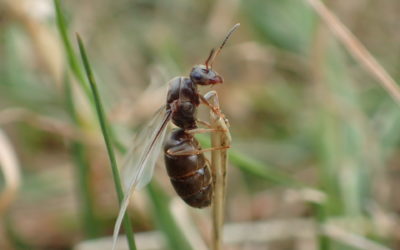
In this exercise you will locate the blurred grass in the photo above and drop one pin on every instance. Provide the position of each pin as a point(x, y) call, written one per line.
point(72, 59)
point(105, 129)
point(303, 113)
point(78, 150)
point(254, 167)
point(79, 155)
point(164, 219)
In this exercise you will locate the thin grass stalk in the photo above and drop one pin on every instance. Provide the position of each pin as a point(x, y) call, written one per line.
point(107, 139)
point(78, 152)
point(357, 49)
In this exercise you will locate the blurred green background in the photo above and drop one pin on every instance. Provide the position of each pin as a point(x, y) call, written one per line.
point(315, 137)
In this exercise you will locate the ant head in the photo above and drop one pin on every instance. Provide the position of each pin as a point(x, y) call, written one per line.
point(203, 75)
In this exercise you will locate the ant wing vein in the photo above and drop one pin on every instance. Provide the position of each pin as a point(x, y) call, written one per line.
point(140, 161)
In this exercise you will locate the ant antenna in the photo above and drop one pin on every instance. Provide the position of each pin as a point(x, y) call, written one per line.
point(209, 58)
point(213, 54)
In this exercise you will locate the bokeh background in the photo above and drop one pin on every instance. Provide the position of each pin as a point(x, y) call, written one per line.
point(314, 159)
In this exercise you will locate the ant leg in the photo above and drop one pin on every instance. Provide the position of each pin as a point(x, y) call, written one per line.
point(195, 152)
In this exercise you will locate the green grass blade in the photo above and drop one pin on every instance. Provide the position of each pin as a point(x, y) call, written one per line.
point(107, 139)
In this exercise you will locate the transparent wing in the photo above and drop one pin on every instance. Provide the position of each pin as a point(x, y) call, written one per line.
point(140, 146)
point(141, 158)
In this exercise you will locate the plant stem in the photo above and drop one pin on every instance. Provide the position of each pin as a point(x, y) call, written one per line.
point(106, 135)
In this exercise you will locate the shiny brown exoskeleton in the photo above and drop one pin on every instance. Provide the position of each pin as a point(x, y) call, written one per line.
point(190, 174)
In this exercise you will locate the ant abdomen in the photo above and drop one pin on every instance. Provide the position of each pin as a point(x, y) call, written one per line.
point(189, 174)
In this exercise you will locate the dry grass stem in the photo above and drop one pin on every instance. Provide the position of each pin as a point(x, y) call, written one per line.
point(219, 161)
point(359, 52)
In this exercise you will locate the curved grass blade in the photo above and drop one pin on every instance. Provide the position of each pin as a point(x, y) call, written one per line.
point(107, 139)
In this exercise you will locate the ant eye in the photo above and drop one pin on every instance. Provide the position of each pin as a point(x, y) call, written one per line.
point(205, 71)
point(196, 76)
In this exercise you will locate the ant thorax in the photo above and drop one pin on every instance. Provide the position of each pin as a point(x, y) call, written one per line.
point(182, 101)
